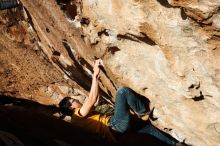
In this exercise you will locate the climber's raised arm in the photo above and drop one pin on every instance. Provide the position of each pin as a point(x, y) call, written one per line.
point(93, 95)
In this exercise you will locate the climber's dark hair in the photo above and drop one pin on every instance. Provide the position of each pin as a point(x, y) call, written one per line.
point(65, 105)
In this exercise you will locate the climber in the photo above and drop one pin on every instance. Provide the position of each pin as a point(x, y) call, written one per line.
point(6, 4)
point(111, 126)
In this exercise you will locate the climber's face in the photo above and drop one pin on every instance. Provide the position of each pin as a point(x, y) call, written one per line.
point(75, 103)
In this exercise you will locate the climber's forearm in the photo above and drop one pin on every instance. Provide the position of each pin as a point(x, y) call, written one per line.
point(94, 89)
point(91, 100)
point(93, 94)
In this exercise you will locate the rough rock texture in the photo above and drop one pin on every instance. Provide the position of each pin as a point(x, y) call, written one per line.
point(167, 51)
point(25, 71)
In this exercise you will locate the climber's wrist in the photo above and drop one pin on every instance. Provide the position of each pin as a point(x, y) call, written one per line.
point(95, 76)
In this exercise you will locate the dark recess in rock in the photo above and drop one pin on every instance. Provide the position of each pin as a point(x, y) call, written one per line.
point(183, 14)
point(84, 21)
point(68, 7)
point(199, 98)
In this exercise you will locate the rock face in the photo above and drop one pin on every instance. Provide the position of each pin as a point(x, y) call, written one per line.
point(167, 51)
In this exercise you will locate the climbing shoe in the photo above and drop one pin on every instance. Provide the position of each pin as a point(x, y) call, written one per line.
point(146, 116)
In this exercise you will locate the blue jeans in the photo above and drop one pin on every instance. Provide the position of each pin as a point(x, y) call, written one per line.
point(121, 119)
point(153, 131)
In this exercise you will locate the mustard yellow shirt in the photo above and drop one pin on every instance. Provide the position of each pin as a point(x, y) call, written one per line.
point(95, 123)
